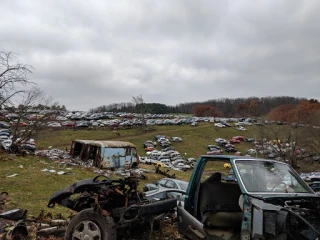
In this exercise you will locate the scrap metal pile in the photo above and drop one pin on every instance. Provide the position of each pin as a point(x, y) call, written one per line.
point(14, 224)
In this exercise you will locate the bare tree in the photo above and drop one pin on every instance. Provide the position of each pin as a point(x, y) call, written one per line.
point(141, 110)
point(282, 142)
point(13, 76)
point(27, 106)
point(311, 133)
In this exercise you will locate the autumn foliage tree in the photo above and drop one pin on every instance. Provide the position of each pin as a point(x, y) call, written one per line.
point(303, 112)
point(281, 113)
point(205, 111)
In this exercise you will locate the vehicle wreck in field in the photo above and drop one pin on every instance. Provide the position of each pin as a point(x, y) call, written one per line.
point(105, 206)
point(106, 154)
point(268, 200)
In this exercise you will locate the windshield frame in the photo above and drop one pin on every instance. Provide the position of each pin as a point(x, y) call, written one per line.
point(295, 174)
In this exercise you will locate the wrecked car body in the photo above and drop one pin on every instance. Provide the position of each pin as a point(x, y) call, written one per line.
point(104, 206)
point(106, 154)
point(268, 201)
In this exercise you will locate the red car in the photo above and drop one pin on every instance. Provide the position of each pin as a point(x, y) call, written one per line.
point(149, 148)
point(215, 152)
point(240, 138)
point(234, 141)
point(238, 153)
point(114, 125)
point(21, 124)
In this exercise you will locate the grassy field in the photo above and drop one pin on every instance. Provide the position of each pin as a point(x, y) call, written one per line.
point(195, 139)
point(32, 188)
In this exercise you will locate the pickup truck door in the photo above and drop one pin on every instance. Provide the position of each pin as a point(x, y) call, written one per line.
point(188, 225)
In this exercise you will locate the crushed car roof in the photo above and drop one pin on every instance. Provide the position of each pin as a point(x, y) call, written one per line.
point(114, 144)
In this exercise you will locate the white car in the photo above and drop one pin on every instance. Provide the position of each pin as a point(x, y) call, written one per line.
point(314, 176)
point(220, 125)
point(54, 125)
point(61, 118)
point(6, 143)
point(251, 151)
point(182, 166)
point(220, 140)
point(240, 128)
point(176, 139)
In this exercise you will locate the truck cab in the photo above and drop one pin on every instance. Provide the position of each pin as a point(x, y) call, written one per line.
point(267, 200)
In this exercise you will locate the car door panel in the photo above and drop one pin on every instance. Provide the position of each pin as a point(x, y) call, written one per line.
point(189, 225)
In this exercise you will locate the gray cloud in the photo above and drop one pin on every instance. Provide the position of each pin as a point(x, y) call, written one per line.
point(86, 54)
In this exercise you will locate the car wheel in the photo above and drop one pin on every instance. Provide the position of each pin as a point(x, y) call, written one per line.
point(13, 148)
point(89, 224)
point(145, 189)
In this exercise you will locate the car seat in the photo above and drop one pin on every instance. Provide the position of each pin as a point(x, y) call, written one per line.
point(219, 203)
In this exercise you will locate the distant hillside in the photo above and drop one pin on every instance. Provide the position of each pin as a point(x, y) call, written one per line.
point(227, 107)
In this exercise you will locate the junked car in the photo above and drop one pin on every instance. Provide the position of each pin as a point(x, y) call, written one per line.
point(181, 165)
point(176, 139)
point(213, 147)
point(165, 193)
point(240, 128)
point(268, 201)
point(215, 152)
point(104, 206)
point(220, 125)
point(106, 154)
point(315, 186)
point(166, 183)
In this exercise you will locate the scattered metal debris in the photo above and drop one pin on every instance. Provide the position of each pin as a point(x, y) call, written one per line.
point(13, 175)
point(14, 224)
point(164, 173)
point(53, 154)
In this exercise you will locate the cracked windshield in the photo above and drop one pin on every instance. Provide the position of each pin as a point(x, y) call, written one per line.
point(267, 176)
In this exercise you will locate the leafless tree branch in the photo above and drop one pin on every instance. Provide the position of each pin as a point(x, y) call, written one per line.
point(13, 76)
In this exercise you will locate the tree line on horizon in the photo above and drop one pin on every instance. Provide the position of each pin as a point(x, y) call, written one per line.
point(224, 107)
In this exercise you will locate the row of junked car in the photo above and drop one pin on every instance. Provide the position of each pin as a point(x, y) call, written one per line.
point(238, 125)
point(107, 123)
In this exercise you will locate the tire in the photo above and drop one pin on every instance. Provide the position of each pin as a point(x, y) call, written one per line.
point(13, 148)
point(88, 224)
point(134, 165)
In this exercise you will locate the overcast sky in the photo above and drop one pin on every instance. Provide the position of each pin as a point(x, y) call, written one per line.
point(92, 53)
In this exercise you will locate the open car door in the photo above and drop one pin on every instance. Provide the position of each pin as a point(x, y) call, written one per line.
point(188, 225)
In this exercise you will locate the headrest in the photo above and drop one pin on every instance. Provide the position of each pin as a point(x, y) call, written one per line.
point(214, 178)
